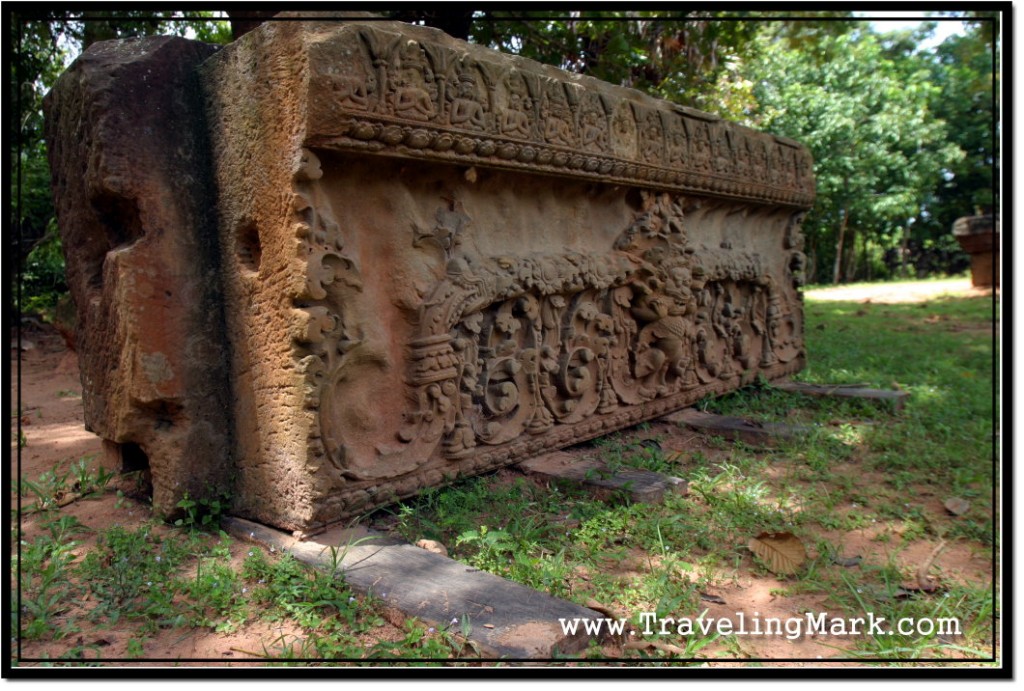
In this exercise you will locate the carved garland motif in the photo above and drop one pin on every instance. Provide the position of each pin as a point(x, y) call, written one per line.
point(530, 345)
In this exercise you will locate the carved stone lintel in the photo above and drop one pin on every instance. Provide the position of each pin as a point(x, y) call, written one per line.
point(433, 260)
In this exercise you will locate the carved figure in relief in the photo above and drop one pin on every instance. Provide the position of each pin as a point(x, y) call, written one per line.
point(743, 157)
point(676, 143)
point(701, 143)
point(354, 89)
point(760, 161)
point(557, 116)
point(662, 344)
point(652, 138)
point(413, 82)
point(466, 110)
point(593, 124)
point(516, 117)
point(723, 152)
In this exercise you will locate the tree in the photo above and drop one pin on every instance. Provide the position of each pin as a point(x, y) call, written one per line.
point(964, 70)
point(44, 43)
point(878, 148)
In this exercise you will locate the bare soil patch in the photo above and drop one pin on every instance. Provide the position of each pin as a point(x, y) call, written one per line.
point(890, 293)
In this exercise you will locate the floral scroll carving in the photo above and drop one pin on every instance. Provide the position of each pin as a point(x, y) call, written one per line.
point(507, 348)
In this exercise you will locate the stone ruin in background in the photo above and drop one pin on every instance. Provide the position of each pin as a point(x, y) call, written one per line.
point(334, 263)
point(979, 237)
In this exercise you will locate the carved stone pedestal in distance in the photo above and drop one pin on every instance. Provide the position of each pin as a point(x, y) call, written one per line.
point(979, 237)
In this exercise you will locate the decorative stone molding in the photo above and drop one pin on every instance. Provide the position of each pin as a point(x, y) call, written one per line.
point(415, 93)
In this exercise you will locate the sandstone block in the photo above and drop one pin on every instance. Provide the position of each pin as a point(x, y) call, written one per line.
point(435, 260)
point(134, 201)
point(979, 237)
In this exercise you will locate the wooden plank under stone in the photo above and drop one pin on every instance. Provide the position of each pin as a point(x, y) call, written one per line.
point(897, 398)
point(506, 620)
point(736, 428)
point(641, 486)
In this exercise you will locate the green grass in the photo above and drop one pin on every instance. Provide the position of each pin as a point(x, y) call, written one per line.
point(862, 470)
point(644, 558)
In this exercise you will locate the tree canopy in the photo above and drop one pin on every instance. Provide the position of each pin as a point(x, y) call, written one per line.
point(903, 138)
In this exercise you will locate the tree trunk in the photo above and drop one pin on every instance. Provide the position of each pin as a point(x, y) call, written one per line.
point(838, 270)
point(903, 252)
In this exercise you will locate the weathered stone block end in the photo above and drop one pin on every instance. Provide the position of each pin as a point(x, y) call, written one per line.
point(133, 192)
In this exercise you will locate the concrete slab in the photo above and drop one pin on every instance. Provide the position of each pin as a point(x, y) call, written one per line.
point(759, 434)
point(505, 619)
point(884, 396)
point(641, 486)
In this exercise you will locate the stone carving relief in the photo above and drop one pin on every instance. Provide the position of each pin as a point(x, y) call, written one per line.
point(513, 347)
point(426, 99)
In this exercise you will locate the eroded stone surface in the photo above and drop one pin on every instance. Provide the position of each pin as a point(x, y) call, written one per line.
point(134, 205)
point(442, 259)
point(437, 260)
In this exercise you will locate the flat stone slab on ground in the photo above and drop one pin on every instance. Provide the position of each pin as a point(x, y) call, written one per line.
point(642, 486)
point(505, 619)
point(736, 428)
point(897, 398)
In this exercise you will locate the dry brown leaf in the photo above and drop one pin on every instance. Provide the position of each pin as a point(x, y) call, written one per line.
point(957, 506)
point(657, 645)
point(783, 553)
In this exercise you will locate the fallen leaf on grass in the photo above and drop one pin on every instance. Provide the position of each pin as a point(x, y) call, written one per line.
point(675, 457)
point(783, 553)
point(657, 645)
point(957, 506)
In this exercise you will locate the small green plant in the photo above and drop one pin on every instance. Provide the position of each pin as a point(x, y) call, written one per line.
point(89, 481)
point(204, 513)
point(48, 489)
point(45, 565)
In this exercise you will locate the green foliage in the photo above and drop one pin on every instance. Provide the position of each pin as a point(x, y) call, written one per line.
point(203, 513)
point(964, 71)
point(53, 487)
point(864, 113)
point(44, 567)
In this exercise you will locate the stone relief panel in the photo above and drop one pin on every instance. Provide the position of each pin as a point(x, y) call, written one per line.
point(480, 258)
point(536, 350)
point(423, 98)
